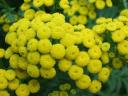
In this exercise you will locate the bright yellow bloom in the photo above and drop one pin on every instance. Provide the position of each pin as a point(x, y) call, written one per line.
point(57, 54)
point(22, 90)
point(48, 73)
point(84, 82)
point(34, 86)
point(75, 72)
point(64, 64)
point(95, 86)
point(94, 66)
point(33, 71)
point(46, 61)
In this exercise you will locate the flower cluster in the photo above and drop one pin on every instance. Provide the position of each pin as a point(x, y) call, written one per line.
point(9, 81)
point(41, 43)
point(78, 11)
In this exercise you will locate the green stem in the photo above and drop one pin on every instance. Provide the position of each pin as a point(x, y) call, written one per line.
point(125, 3)
point(5, 4)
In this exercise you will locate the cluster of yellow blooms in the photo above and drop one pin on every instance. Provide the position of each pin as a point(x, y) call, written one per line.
point(64, 90)
point(78, 10)
point(40, 42)
point(9, 81)
point(118, 30)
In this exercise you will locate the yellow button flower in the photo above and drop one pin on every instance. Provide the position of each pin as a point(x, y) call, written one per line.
point(75, 72)
point(82, 59)
point(33, 57)
point(43, 32)
point(10, 74)
point(58, 54)
point(4, 93)
point(104, 74)
point(64, 64)
point(118, 36)
point(3, 83)
point(44, 46)
point(72, 52)
point(29, 14)
point(94, 66)
point(46, 61)
point(95, 86)
point(95, 52)
point(14, 84)
point(32, 44)
point(13, 61)
point(48, 73)
point(48, 2)
point(34, 86)
point(105, 46)
point(123, 47)
point(33, 71)
point(84, 82)
point(22, 90)
point(117, 63)
point(100, 4)
point(38, 3)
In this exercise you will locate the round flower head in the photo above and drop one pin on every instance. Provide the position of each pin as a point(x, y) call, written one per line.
point(64, 64)
point(32, 44)
point(30, 33)
point(95, 86)
point(95, 52)
point(38, 3)
point(24, 6)
point(29, 14)
point(44, 32)
point(10, 37)
point(22, 63)
point(68, 40)
point(84, 82)
point(44, 46)
point(22, 90)
point(48, 73)
point(34, 86)
point(105, 46)
point(33, 71)
point(3, 83)
point(75, 72)
point(123, 47)
point(104, 74)
point(48, 2)
point(14, 84)
point(33, 57)
point(72, 52)
point(57, 54)
point(117, 63)
point(46, 61)
point(4, 93)
point(82, 59)
point(13, 61)
point(94, 66)
point(100, 4)
point(10, 74)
